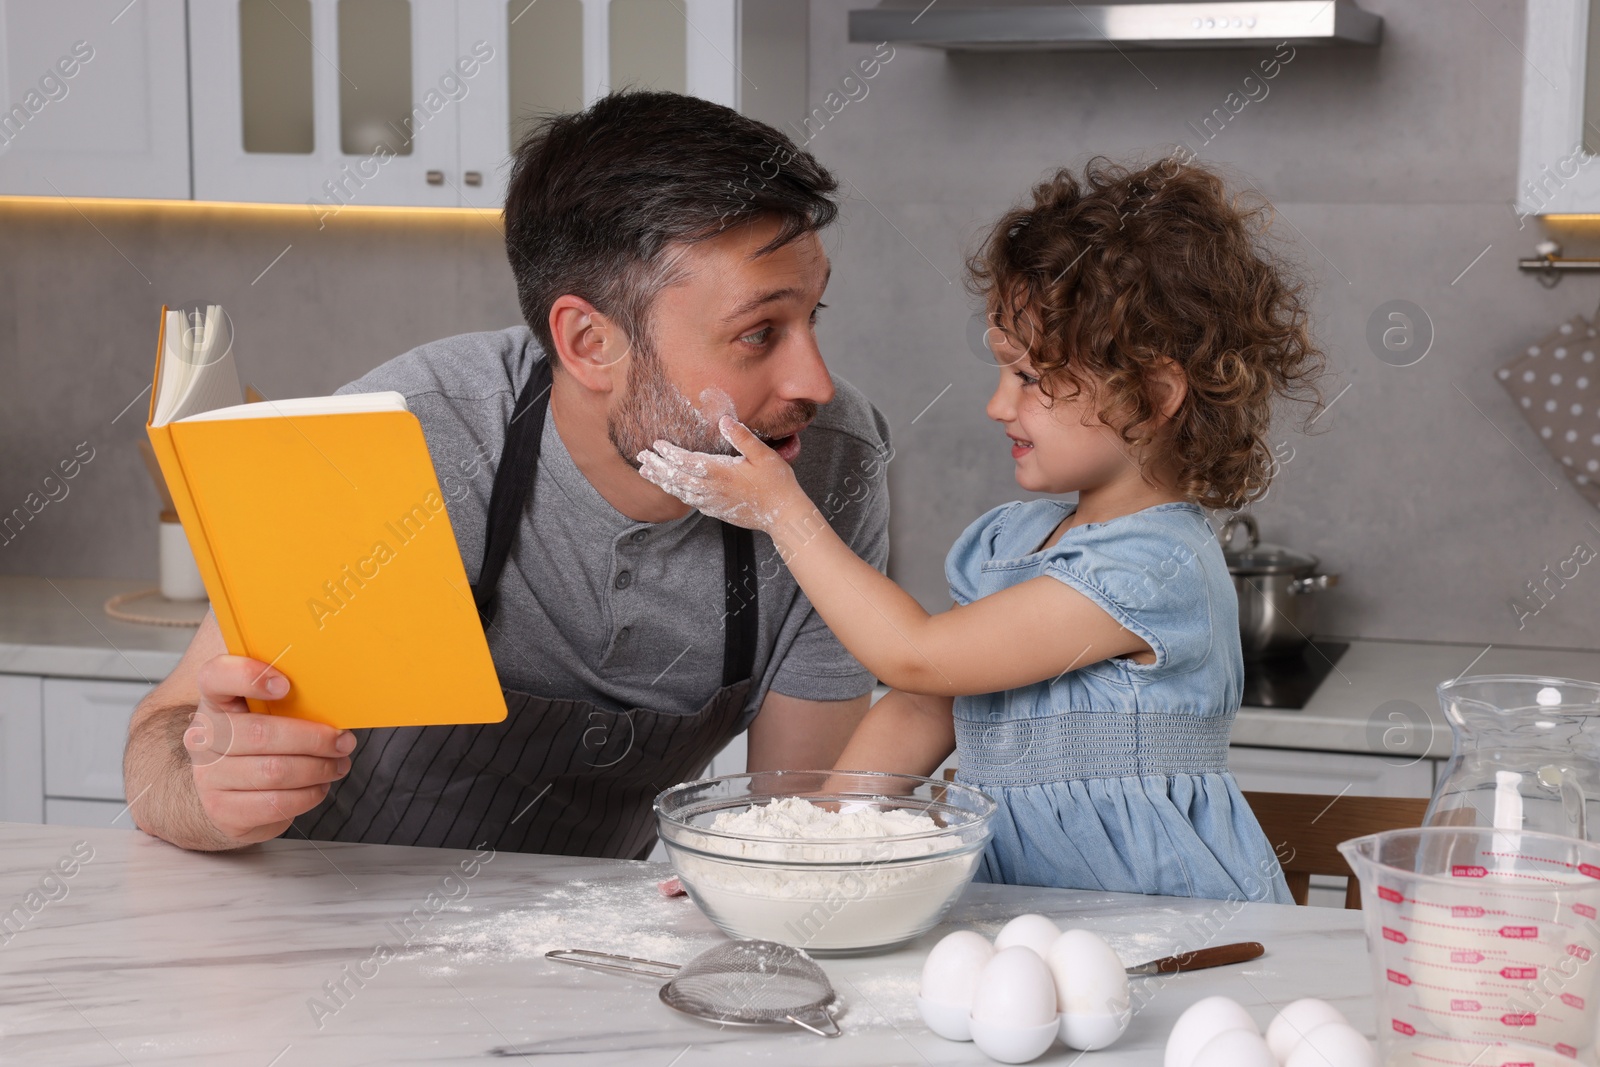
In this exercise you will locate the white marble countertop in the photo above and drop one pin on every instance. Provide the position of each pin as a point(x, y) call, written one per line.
point(58, 626)
point(149, 954)
point(1353, 710)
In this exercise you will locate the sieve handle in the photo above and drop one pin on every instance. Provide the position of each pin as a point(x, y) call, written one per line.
point(606, 961)
point(822, 1024)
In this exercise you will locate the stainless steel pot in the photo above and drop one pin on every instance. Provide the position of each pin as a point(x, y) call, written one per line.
point(1277, 613)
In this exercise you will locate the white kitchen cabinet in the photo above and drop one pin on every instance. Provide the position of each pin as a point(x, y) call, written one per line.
point(105, 813)
point(326, 102)
point(85, 729)
point(560, 55)
point(276, 84)
point(21, 744)
point(94, 98)
point(331, 103)
point(1288, 770)
point(1558, 169)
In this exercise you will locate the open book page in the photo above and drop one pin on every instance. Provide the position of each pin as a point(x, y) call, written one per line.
point(197, 367)
point(306, 405)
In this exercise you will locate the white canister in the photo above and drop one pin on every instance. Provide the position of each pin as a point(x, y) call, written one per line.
point(180, 577)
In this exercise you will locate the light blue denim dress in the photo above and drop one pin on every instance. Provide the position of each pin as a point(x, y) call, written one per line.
point(1114, 776)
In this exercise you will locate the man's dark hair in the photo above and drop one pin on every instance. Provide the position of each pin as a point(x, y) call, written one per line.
point(597, 196)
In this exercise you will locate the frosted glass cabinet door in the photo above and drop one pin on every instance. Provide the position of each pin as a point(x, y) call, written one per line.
point(94, 98)
point(535, 67)
point(1560, 110)
point(555, 56)
point(327, 102)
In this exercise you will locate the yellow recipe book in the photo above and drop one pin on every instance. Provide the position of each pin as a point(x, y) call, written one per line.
point(321, 533)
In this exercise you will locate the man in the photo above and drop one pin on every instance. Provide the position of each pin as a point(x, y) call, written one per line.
point(669, 269)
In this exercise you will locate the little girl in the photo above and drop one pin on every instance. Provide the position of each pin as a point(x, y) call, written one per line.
point(1089, 672)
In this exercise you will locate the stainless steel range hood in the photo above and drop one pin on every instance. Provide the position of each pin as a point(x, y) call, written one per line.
point(1020, 25)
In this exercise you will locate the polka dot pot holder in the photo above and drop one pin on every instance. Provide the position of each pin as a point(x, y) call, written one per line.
point(1556, 383)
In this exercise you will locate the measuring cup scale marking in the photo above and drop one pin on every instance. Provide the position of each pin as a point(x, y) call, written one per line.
point(1521, 973)
point(1468, 870)
point(1478, 972)
point(1440, 1052)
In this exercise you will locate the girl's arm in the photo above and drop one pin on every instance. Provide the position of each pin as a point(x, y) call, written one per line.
point(903, 733)
point(1031, 632)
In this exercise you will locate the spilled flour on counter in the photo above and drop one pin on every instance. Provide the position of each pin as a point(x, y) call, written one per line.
point(626, 916)
point(887, 997)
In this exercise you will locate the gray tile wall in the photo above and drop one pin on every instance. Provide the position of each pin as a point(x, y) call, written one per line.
point(1392, 169)
point(80, 297)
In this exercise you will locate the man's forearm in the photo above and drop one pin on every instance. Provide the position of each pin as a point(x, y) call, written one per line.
point(796, 734)
point(159, 781)
point(904, 733)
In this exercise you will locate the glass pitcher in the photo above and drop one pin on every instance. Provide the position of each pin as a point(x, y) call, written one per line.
point(1526, 755)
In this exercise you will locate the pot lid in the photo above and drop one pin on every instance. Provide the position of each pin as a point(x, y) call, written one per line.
point(1257, 556)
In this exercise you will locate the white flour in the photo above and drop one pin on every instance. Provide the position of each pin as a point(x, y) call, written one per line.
point(625, 915)
point(681, 472)
point(715, 403)
point(881, 997)
point(823, 880)
point(795, 818)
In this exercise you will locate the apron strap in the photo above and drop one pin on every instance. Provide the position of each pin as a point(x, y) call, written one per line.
point(513, 483)
point(740, 617)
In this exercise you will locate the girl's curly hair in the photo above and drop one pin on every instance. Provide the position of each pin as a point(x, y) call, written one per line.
point(1100, 279)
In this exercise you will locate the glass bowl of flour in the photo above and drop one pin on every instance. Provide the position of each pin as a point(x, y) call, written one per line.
point(833, 862)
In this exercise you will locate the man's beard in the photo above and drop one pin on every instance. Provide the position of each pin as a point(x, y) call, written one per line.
point(653, 409)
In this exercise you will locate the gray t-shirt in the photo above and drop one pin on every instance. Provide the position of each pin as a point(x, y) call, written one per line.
point(596, 606)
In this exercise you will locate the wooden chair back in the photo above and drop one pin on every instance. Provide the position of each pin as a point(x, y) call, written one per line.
point(1306, 828)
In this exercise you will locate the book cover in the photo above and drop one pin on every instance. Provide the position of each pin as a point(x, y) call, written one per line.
point(327, 552)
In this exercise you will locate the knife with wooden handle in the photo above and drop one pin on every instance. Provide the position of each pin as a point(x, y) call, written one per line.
point(1216, 956)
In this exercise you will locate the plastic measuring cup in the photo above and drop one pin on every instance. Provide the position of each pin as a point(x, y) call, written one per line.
point(1483, 945)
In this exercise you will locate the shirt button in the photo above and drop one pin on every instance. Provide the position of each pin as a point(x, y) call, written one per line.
point(622, 634)
point(639, 535)
point(624, 579)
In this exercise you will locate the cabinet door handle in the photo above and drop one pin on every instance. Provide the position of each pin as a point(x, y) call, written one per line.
point(436, 177)
point(473, 177)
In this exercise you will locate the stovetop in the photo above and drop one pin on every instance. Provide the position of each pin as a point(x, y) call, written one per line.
point(1288, 681)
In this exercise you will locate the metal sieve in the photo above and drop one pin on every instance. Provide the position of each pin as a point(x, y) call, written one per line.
point(746, 983)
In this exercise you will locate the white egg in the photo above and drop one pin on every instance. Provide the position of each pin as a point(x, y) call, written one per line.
point(1297, 1020)
point(1333, 1045)
point(1030, 931)
point(950, 973)
point(1090, 978)
point(1092, 1032)
point(1091, 990)
point(950, 1021)
point(1015, 989)
point(1236, 1048)
point(1200, 1022)
point(1012, 1044)
point(949, 977)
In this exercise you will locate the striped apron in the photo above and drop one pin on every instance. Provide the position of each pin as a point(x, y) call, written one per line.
point(559, 776)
